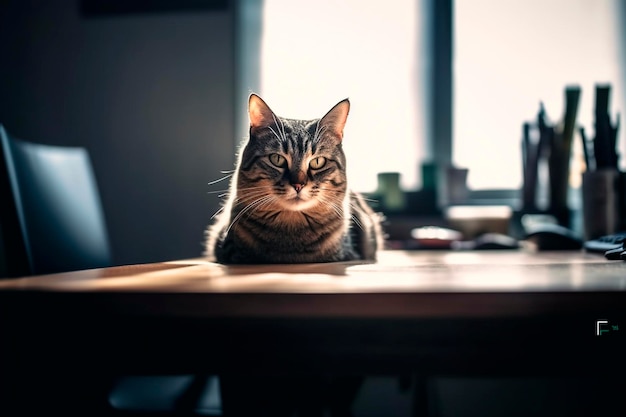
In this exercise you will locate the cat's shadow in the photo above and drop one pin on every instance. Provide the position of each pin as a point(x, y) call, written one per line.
point(327, 268)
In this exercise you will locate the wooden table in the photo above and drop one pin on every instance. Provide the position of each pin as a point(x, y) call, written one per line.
point(433, 313)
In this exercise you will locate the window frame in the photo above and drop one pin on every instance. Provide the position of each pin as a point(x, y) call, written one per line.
point(437, 84)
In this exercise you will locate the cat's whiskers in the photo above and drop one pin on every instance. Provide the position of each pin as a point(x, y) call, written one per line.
point(249, 199)
point(356, 221)
point(255, 189)
point(227, 190)
point(260, 188)
point(230, 174)
point(226, 193)
point(339, 210)
point(217, 213)
point(267, 203)
point(354, 208)
point(336, 208)
point(261, 199)
point(332, 190)
point(247, 208)
point(250, 193)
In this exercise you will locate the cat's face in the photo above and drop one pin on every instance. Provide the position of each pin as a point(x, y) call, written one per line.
point(293, 165)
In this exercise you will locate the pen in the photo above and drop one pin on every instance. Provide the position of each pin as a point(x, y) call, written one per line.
point(572, 96)
point(601, 143)
point(525, 148)
point(613, 143)
point(585, 149)
point(544, 140)
point(529, 166)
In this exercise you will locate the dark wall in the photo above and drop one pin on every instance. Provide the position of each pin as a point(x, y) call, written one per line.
point(149, 95)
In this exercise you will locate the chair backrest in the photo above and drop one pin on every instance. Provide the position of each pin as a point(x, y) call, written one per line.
point(51, 217)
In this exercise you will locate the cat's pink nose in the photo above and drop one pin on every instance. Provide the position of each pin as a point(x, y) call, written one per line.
point(298, 187)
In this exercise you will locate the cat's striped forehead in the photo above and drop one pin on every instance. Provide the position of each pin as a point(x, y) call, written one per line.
point(290, 136)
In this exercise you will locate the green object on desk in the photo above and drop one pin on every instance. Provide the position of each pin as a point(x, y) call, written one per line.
point(391, 195)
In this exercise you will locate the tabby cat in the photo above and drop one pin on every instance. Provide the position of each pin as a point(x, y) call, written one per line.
point(289, 200)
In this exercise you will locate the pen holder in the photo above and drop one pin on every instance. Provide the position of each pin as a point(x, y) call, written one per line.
point(558, 169)
point(604, 195)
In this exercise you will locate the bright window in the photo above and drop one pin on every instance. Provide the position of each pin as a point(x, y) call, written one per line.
point(509, 56)
point(316, 53)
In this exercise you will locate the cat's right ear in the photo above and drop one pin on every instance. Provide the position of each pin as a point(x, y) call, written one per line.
point(260, 114)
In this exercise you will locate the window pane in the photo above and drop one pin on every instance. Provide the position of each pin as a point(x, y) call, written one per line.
point(509, 56)
point(314, 54)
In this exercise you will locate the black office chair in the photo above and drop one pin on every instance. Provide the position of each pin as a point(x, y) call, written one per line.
point(51, 221)
point(51, 218)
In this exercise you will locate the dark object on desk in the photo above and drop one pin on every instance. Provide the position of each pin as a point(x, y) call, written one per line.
point(532, 151)
point(586, 152)
point(604, 186)
point(529, 170)
point(603, 202)
point(488, 241)
point(553, 237)
point(614, 254)
point(551, 144)
point(560, 151)
point(606, 243)
point(605, 141)
point(50, 210)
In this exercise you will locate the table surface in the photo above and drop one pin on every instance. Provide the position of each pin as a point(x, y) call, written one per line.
point(395, 271)
point(485, 283)
point(435, 311)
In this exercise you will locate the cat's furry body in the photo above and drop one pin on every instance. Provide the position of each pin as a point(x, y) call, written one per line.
point(289, 200)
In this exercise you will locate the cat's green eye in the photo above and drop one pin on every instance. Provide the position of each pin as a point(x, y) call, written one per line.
point(317, 163)
point(277, 160)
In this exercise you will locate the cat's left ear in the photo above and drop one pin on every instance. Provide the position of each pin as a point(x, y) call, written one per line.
point(335, 119)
